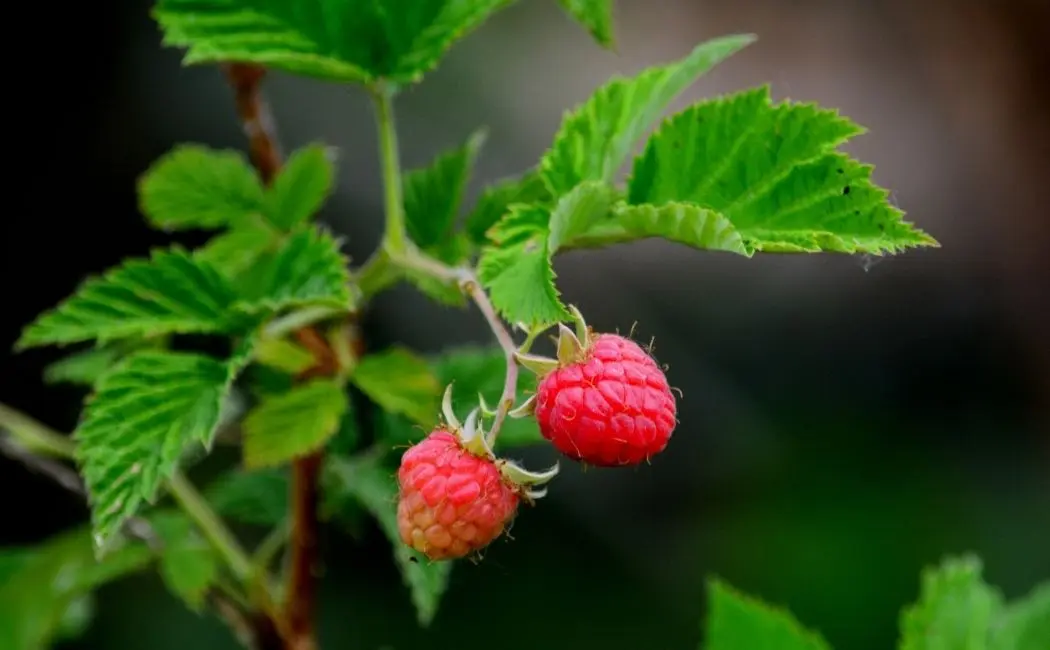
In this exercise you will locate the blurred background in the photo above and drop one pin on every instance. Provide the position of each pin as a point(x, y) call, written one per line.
point(845, 421)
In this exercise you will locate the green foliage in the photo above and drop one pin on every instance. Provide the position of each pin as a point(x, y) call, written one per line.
point(307, 270)
point(496, 200)
point(954, 611)
point(358, 41)
point(293, 424)
point(143, 416)
point(595, 15)
point(433, 196)
point(188, 565)
point(400, 382)
point(300, 188)
point(84, 367)
point(233, 252)
point(258, 497)
point(193, 186)
point(372, 485)
point(1025, 623)
point(45, 590)
point(736, 621)
point(170, 293)
point(283, 355)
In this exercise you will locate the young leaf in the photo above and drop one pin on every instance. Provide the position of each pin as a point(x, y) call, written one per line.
point(1023, 624)
point(234, 251)
point(955, 609)
point(169, 293)
point(284, 355)
point(84, 367)
point(595, 139)
point(196, 187)
point(336, 40)
point(41, 588)
point(257, 497)
point(143, 416)
point(517, 270)
point(736, 621)
point(373, 485)
point(433, 194)
point(495, 202)
point(300, 188)
point(773, 173)
point(188, 564)
point(399, 381)
point(308, 270)
point(595, 15)
point(293, 424)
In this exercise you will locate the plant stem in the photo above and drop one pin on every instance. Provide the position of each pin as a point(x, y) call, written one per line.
point(395, 236)
point(256, 118)
point(36, 437)
point(198, 510)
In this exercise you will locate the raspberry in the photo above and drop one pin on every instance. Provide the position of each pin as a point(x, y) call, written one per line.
point(605, 402)
point(455, 497)
point(452, 503)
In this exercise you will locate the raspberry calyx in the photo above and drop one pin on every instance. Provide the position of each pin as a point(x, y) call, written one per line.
point(455, 496)
point(603, 401)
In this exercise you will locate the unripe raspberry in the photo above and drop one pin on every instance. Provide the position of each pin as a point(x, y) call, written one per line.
point(455, 497)
point(605, 401)
point(452, 502)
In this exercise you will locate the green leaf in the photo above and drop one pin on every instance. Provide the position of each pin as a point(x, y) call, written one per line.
point(495, 201)
point(293, 424)
point(771, 170)
point(42, 587)
point(308, 270)
point(234, 251)
point(955, 608)
point(685, 223)
point(595, 15)
point(399, 381)
point(736, 621)
point(596, 138)
point(454, 251)
point(143, 416)
point(300, 188)
point(335, 40)
point(284, 355)
point(347, 436)
point(433, 194)
point(374, 486)
point(257, 497)
point(84, 367)
point(196, 187)
point(1023, 624)
point(188, 565)
point(171, 293)
point(517, 270)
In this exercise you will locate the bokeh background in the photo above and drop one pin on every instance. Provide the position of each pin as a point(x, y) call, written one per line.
point(845, 421)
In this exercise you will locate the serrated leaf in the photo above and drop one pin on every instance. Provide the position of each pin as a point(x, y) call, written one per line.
point(301, 187)
point(171, 293)
point(374, 487)
point(294, 424)
point(771, 170)
point(954, 611)
point(596, 138)
point(188, 565)
point(595, 15)
point(399, 381)
point(135, 428)
point(335, 40)
point(234, 251)
point(84, 367)
point(434, 193)
point(517, 269)
point(685, 223)
point(307, 270)
point(1023, 624)
point(495, 202)
point(193, 186)
point(736, 621)
point(257, 497)
point(42, 586)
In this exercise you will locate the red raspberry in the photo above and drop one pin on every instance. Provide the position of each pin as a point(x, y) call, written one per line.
point(452, 502)
point(611, 407)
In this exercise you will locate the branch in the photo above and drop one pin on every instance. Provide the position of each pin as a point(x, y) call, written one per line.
point(256, 118)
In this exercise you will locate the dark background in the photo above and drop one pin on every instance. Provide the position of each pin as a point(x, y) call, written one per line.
point(845, 421)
